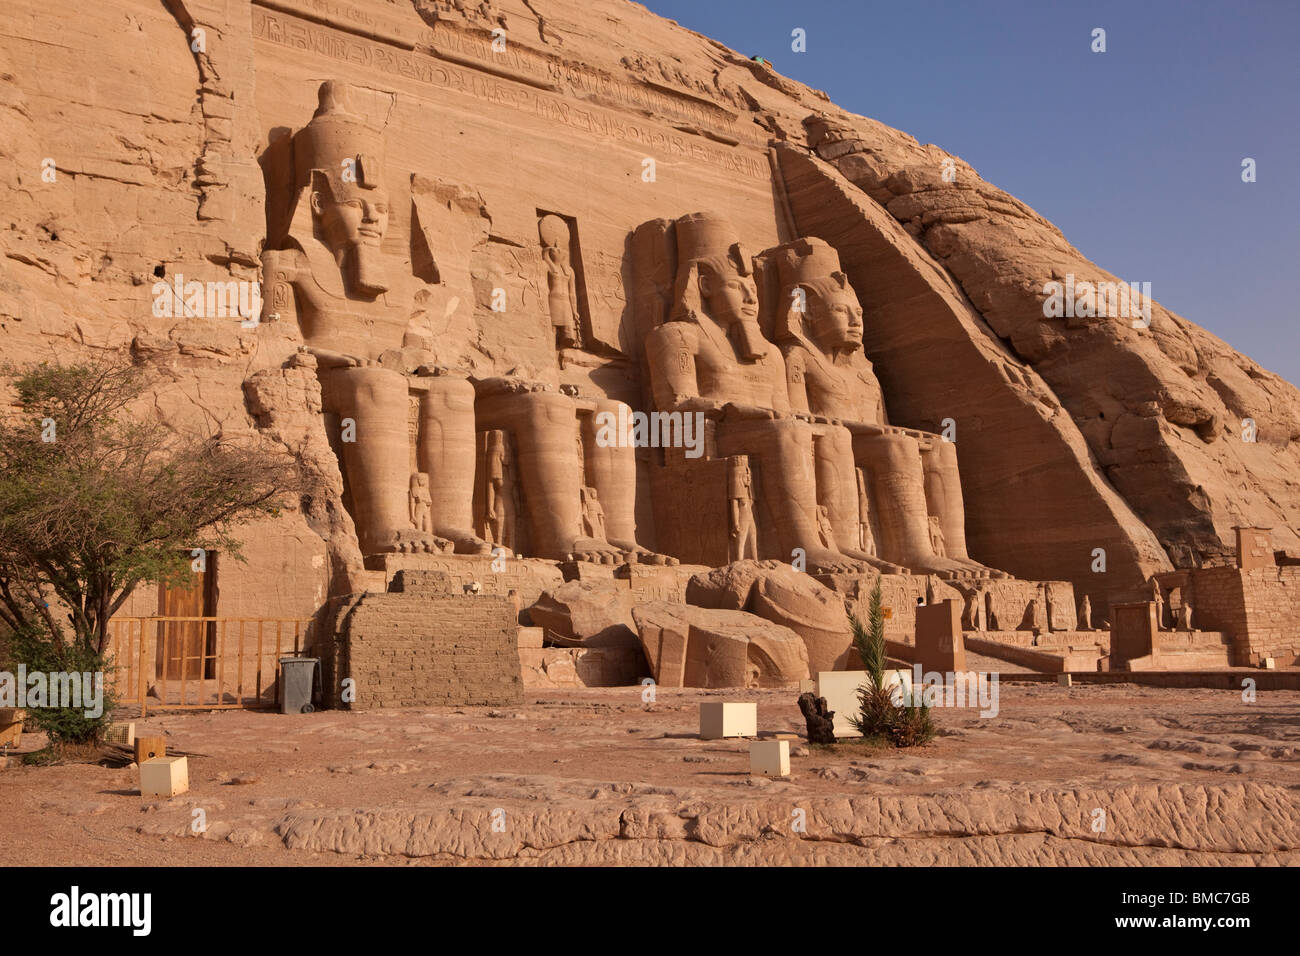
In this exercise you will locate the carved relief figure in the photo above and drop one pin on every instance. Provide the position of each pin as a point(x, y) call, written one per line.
point(824, 529)
point(495, 495)
point(973, 613)
point(1031, 622)
point(936, 537)
point(866, 541)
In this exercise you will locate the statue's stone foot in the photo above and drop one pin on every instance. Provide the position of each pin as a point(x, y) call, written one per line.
point(976, 570)
point(983, 571)
point(884, 567)
point(950, 569)
point(641, 555)
point(598, 552)
point(410, 541)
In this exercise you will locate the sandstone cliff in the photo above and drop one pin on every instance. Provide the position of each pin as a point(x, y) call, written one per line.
point(136, 134)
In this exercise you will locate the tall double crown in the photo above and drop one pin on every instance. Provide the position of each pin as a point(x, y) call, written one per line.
point(804, 261)
point(703, 235)
point(335, 136)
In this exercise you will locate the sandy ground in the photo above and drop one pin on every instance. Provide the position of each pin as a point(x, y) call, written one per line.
point(597, 776)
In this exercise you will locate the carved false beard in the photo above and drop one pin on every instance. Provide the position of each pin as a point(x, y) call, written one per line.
point(363, 269)
point(748, 340)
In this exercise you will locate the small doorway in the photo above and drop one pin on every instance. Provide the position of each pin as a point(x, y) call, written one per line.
point(186, 648)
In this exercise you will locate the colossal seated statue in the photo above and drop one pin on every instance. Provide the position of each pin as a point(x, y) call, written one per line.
point(815, 471)
point(912, 476)
point(711, 357)
point(331, 271)
point(356, 307)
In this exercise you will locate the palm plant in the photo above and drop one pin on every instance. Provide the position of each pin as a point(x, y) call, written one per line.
point(905, 723)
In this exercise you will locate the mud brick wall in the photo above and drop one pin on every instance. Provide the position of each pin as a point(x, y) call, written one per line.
point(419, 648)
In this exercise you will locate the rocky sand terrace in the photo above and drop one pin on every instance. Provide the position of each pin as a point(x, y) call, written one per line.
point(596, 776)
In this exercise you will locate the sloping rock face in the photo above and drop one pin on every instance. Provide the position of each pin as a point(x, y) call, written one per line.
point(182, 161)
point(1172, 415)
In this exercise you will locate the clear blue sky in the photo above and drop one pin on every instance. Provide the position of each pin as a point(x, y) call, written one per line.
point(1135, 153)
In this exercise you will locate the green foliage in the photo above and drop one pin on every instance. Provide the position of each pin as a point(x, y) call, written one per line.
point(99, 494)
point(33, 648)
point(905, 723)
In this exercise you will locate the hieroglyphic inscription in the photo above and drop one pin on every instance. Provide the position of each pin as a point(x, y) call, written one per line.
point(582, 79)
point(297, 34)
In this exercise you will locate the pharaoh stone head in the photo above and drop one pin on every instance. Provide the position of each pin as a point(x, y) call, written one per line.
point(817, 301)
point(715, 277)
point(338, 158)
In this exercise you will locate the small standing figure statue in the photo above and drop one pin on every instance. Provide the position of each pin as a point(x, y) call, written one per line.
point(866, 541)
point(1085, 614)
point(421, 502)
point(936, 538)
point(593, 515)
point(561, 287)
point(1031, 616)
point(494, 488)
point(975, 608)
point(743, 544)
point(1185, 616)
point(1158, 600)
point(824, 529)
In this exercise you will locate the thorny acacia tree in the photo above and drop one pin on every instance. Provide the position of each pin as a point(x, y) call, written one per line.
point(94, 501)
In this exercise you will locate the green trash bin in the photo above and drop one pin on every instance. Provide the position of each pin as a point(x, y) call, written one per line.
point(297, 679)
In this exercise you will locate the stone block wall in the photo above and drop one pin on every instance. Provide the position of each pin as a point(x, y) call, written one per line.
point(1010, 600)
point(1219, 604)
point(1258, 607)
point(1272, 598)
